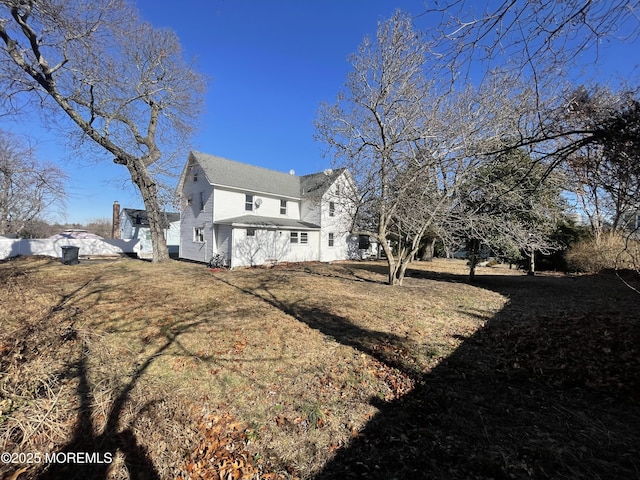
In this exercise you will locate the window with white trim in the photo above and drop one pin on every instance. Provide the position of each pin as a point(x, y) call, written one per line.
point(248, 203)
point(304, 238)
point(332, 209)
point(331, 240)
point(251, 232)
point(283, 207)
point(198, 234)
point(293, 237)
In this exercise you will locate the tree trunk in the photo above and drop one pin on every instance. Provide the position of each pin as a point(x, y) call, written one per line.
point(532, 263)
point(473, 259)
point(4, 204)
point(427, 254)
point(148, 190)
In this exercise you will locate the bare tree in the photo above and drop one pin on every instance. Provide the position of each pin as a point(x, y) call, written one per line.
point(374, 127)
point(411, 142)
point(29, 188)
point(385, 129)
point(122, 83)
point(534, 37)
point(100, 226)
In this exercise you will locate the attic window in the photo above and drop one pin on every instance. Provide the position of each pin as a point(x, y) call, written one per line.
point(332, 209)
point(283, 207)
point(195, 174)
point(248, 203)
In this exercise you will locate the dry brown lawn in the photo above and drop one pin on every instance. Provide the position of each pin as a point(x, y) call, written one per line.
point(311, 370)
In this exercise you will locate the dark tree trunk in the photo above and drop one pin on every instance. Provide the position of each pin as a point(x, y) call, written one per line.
point(427, 253)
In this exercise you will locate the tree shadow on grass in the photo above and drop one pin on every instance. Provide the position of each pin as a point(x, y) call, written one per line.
point(383, 346)
point(95, 440)
point(548, 389)
point(91, 451)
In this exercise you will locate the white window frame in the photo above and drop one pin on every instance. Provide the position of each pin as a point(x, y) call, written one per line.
point(304, 238)
point(283, 207)
point(251, 232)
point(198, 234)
point(331, 239)
point(332, 209)
point(293, 237)
point(248, 203)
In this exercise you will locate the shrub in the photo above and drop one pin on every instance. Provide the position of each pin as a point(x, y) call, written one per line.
point(610, 251)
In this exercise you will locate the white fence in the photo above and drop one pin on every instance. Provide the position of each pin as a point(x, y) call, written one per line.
point(53, 247)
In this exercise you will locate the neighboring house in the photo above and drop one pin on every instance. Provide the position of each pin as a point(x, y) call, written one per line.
point(253, 216)
point(134, 225)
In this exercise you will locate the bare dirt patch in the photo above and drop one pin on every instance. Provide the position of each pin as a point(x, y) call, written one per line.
point(308, 370)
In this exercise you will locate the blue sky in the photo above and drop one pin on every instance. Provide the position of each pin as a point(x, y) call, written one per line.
point(271, 63)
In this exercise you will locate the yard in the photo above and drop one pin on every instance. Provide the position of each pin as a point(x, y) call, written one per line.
point(316, 371)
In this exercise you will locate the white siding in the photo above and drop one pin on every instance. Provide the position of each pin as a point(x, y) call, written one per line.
point(273, 246)
point(231, 203)
point(345, 245)
point(192, 216)
point(224, 241)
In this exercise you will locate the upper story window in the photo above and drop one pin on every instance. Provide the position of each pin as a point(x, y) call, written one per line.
point(283, 207)
point(201, 201)
point(195, 174)
point(248, 203)
point(332, 209)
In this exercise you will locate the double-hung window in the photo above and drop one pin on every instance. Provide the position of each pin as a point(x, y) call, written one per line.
point(293, 237)
point(248, 203)
point(332, 209)
point(283, 207)
point(304, 238)
point(198, 234)
point(331, 240)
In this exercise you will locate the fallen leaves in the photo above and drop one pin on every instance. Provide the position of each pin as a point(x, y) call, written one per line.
point(221, 453)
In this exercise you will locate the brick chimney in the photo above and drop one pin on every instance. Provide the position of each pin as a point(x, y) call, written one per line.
point(115, 223)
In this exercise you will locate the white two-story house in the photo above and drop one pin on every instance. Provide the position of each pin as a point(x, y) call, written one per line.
point(254, 216)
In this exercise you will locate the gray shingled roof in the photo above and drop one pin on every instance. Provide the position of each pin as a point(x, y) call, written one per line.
point(140, 218)
point(221, 171)
point(229, 173)
point(315, 184)
point(268, 222)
